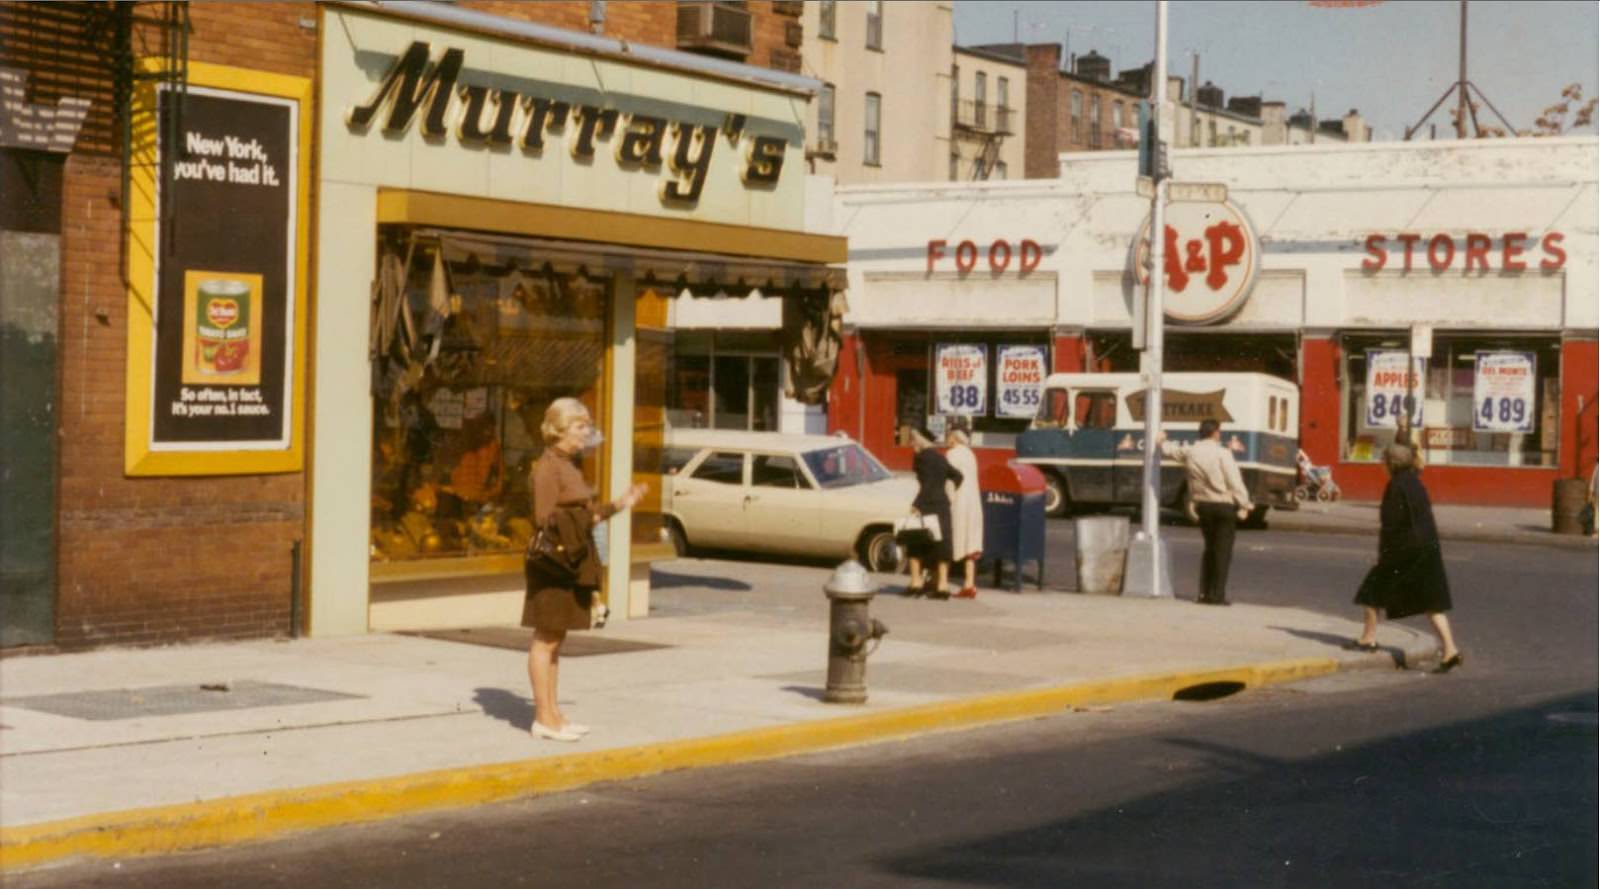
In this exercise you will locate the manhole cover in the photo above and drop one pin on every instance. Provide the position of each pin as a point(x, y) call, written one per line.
point(172, 700)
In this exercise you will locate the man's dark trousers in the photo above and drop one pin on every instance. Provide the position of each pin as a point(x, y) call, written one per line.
point(1217, 524)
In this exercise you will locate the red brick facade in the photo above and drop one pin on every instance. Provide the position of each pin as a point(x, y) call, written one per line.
point(153, 560)
point(1052, 128)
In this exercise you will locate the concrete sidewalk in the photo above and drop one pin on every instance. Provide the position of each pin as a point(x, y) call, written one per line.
point(126, 752)
point(1485, 524)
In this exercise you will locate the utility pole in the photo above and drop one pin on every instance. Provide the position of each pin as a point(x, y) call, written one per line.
point(1461, 82)
point(1146, 548)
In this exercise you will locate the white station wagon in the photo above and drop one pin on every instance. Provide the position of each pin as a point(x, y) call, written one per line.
point(803, 495)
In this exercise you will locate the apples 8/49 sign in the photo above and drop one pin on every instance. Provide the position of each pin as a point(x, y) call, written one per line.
point(1392, 392)
point(961, 379)
point(1502, 392)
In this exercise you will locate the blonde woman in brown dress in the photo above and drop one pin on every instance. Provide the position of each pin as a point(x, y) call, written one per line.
point(551, 607)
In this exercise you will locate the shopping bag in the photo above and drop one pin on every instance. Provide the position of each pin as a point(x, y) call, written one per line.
point(917, 529)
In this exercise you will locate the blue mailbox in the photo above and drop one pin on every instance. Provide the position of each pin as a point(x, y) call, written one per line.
point(1013, 519)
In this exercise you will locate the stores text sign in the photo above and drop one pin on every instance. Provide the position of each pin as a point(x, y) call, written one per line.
point(961, 379)
point(1476, 251)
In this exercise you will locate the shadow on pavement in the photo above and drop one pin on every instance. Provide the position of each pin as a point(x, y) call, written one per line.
point(1507, 800)
point(508, 707)
point(660, 579)
point(814, 694)
point(1396, 653)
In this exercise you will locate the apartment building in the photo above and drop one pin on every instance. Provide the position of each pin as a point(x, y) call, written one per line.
point(884, 111)
point(988, 108)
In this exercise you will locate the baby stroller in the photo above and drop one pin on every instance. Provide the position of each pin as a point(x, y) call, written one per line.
point(1316, 482)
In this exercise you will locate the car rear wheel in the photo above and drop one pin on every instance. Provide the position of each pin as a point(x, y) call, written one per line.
point(1057, 501)
point(881, 553)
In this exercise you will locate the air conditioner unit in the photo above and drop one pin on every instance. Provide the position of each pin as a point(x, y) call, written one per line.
point(719, 27)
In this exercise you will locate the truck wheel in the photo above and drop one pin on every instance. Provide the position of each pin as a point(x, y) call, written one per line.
point(1057, 501)
point(1257, 520)
point(881, 553)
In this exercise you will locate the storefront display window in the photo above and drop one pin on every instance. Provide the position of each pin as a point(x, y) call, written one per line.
point(1471, 414)
point(991, 407)
point(469, 352)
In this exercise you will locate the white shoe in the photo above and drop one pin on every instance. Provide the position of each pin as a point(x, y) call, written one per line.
point(540, 730)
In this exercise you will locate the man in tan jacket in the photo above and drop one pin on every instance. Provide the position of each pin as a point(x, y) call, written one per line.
point(1220, 501)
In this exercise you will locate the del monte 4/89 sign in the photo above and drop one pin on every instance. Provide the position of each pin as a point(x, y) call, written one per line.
point(1212, 258)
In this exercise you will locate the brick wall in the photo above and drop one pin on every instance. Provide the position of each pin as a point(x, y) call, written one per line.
point(1045, 107)
point(155, 560)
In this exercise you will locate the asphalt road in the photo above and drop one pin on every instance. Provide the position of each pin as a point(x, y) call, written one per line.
point(1483, 778)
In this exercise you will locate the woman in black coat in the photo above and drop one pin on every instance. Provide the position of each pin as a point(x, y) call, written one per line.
point(932, 471)
point(1409, 577)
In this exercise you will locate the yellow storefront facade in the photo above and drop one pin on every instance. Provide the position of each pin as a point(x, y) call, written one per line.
point(503, 214)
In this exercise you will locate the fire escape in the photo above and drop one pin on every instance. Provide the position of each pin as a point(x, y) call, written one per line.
point(984, 125)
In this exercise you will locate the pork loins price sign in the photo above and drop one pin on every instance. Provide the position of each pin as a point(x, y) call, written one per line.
point(1019, 381)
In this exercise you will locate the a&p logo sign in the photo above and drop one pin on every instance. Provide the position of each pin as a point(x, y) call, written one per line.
point(1212, 258)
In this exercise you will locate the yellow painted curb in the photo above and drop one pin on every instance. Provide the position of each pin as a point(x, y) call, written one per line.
point(260, 816)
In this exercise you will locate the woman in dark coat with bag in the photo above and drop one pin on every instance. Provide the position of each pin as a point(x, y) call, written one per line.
point(932, 471)
point(566, 510)
point(1409, 577)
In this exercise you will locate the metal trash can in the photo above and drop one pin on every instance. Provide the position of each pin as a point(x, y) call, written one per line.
point(1101, 546)
point(1013, 519)
point(1567, 497)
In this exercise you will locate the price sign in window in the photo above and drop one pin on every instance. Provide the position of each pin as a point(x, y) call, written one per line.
point(961, 379)
point(1392, 392)
point(1503, 392)
point(1020, 380)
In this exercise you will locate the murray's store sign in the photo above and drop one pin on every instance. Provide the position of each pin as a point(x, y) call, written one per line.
point(536, 118)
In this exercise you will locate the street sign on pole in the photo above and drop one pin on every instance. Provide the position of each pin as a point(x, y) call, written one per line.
point(1185, 192)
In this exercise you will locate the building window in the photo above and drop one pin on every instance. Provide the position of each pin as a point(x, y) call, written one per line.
point(827, 18)
point(980, 97)
point(999, 169)
point(1453, 428)
point(1211, 131)
point(825, 114)
point(1077, 116)
point(724, 380)
point(875, 24)
point(869, 147)
point(1094, 121)
point(955, 166)
point(1116, 115)
point(1002, 101)
point(955, 96)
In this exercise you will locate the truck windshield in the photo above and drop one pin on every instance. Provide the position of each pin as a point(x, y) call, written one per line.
point(843, 466)
point(1052, 410)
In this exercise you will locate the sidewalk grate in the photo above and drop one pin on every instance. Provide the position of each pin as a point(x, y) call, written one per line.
point(172, 700)
point(519, 638)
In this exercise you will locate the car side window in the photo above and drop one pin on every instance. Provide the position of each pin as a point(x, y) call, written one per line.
point(1095, 410)
point(674, 459)
point(774, 471)
point(724, 467)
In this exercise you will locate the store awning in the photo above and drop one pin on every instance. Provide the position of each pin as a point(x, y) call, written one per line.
point(703, 274)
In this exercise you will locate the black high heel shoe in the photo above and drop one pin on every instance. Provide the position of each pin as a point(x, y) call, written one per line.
point(1449, 663)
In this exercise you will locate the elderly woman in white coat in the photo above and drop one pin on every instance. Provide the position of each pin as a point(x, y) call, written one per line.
point(966, 511)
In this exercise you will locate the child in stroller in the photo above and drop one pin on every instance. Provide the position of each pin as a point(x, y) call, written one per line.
point(1316, 482)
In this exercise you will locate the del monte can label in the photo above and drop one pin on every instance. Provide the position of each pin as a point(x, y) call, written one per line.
point(222, 333)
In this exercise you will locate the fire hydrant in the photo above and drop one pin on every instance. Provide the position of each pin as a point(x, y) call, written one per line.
point(850, 628)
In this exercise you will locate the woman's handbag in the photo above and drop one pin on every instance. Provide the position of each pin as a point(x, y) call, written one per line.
point(546, 555)
point(917, 529)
